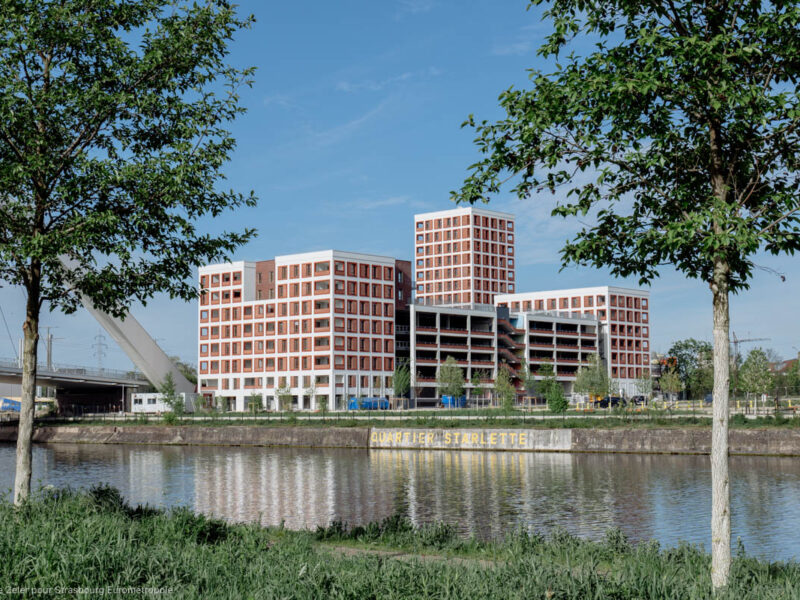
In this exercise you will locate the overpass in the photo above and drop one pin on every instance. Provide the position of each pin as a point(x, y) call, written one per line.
point(79, 386)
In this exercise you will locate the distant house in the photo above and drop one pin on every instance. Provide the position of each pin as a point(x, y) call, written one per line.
point(784, 366)
point(154, 403)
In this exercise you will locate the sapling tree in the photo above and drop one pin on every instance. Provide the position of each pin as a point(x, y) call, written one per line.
point(670, 383)
point(504, 389)
point(113, 136)
point(450, 378)
point(755, 375)
point(673, 133)
point(644, 385)
point(170, 397)
point(592, 379)
point(477, 384)
point(255, 402)
point(556, 400)
point(401, 379)
point(284, 398)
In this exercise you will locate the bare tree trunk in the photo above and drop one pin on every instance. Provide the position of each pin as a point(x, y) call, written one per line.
point(22, 480)
point(720, 483)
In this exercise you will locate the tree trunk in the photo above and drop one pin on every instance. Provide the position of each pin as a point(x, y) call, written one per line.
point(720, 483)
point(22, 480)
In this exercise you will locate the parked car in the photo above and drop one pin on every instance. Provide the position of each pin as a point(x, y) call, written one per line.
point(639, 400)
point(709, 398)
point(611, 401)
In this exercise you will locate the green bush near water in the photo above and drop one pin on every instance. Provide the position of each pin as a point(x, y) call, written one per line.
point(63, 538)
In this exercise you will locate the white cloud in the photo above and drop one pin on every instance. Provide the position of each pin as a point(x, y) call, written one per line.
point(372, 85)
point(413, 7)
point(522, 42)
point(512, 48)
point(380, 203)
point(338, 133)
point(282, 100)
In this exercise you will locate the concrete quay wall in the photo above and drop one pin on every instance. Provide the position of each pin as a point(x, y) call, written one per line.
point(229, 435)
point(778, 442)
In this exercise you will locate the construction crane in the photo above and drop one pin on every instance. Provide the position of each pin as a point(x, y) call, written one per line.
point(737, 341)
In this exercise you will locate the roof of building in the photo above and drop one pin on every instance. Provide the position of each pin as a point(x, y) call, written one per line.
point(465, 210)
point(783, 366)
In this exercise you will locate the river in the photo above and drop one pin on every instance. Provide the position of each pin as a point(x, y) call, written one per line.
point(486, 494)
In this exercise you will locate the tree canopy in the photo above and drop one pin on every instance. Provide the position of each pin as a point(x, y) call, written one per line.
point(504, 389)
point(401, 379)
point(755, 376)
point(592, 379)
point(450, 378)
point(694, 365)
point(683, 126)
point(112, 143)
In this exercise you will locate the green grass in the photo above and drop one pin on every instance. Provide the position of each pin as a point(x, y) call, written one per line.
point(442, 420)
point(93, 539)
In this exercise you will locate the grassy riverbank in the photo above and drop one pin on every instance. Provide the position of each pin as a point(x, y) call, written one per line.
point(445, 419)
point(93, 540)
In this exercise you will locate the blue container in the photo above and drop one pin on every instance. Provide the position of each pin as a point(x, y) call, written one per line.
point(7, 405)
point(368, 404)
point(453, 402)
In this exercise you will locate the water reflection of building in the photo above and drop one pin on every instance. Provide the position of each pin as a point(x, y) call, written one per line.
point(303, 488)
point(488, 494)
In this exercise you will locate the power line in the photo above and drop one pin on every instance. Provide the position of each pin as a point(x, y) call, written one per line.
point(8, 331)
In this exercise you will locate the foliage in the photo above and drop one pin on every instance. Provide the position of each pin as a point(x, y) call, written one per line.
point(401, 379)
point(644, 385)
point(556, 401)
point(187, 370)
point(311, 390)
point(528, 380)
point(322, 403)
point(284, 398)
point(592, 379)
point(670, 382)
point(112, 146)
point(755, 376)
point(477, 384)
point(450, 378)
point(548, 378)
point(694, 365)
point(789, 381)
point(171, 397)
point(505, 391)
point(94, 539)
point(255, 402)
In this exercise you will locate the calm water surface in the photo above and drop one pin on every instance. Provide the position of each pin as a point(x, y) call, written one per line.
point(486, 494)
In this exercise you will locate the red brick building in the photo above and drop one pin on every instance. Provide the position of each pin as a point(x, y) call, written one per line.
point(463, 256)
point(320, 325)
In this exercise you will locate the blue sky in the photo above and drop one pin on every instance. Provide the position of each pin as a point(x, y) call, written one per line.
point(354, 125)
